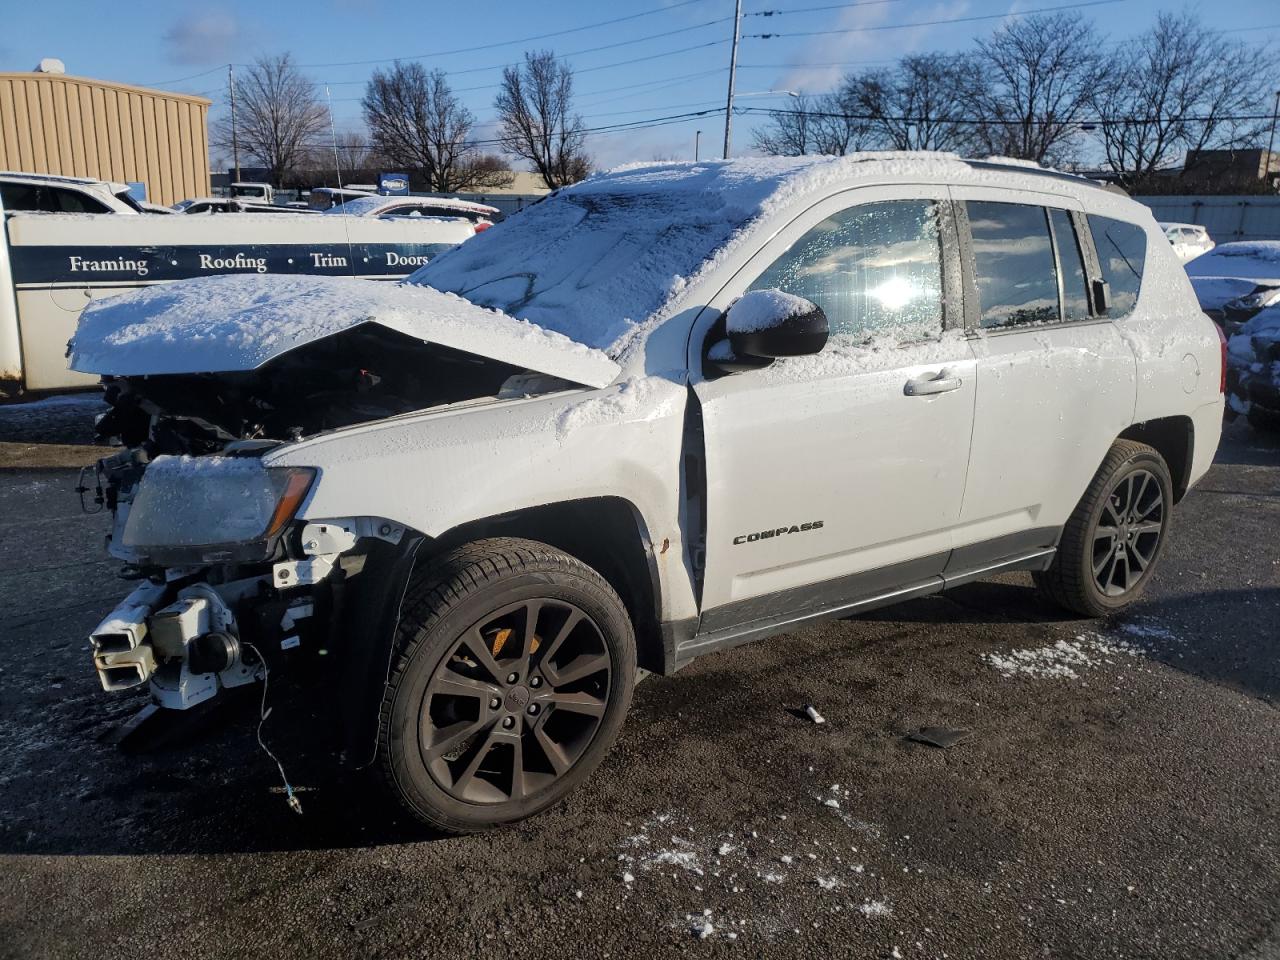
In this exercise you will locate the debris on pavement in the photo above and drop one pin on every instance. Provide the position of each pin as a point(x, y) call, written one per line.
point(812, 712)
point(940, 737)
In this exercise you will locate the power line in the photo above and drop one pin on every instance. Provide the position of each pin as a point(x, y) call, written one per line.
point(1078, 122)
point(931, 23)
point(508, 43)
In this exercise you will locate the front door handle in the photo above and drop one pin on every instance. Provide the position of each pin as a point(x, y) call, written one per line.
point(932, 383)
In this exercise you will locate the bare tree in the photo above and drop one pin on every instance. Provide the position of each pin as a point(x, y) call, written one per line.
point(1032, 85)
point(1179, 89)
point(277, 115)
point(915, 105)
point(535, 110)
point(837, 129)
point(416, 122)
point(787, 132)
point(824, 125)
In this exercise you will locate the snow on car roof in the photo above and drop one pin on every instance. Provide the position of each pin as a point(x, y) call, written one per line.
point(1251, 259)
point(605, 259)
point(370, 206)
point(232, 323)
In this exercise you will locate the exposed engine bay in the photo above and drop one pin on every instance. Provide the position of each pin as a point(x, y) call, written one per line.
point(359, 375)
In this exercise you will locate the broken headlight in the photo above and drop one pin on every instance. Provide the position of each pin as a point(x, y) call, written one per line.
point(212, 509)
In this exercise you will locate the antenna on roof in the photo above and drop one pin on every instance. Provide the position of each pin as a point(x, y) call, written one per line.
point(333, 133)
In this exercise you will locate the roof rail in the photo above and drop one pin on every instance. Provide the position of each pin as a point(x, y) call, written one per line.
point(1035, 171)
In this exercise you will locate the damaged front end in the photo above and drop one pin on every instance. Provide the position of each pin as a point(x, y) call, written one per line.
point(230, 582)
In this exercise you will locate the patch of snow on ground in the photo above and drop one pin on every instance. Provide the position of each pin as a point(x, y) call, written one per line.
point(1062, 659)
point(875, 908)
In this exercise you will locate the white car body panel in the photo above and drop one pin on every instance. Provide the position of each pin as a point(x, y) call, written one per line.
point(898, 481)
point(764, 473)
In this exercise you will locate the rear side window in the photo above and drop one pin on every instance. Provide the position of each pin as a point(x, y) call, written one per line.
point(1122, 251)
point(874, 268)
point(1013, 264)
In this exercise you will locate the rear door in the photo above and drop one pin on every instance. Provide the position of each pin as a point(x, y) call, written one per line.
point(1056, 380)
point(839, 476)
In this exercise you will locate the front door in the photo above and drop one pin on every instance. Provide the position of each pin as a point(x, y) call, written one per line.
point(839, 476)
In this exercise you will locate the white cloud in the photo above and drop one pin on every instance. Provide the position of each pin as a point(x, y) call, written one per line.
point(209, 37)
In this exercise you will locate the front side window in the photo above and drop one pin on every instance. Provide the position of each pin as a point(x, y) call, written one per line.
point(1013, 264)
point(873, 269)
point(1122, 251)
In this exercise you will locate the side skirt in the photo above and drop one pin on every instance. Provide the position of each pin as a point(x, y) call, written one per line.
point(690, 647)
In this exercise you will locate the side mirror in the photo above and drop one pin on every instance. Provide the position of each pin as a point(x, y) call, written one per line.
point(1101, 297)
point(770, 323)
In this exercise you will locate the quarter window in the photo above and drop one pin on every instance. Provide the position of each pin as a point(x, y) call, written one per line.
point(1122, 251)
point(874, 269)
point(1013, 264)
point(1075, 294)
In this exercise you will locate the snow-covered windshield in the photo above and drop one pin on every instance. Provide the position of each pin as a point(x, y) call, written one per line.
point(586, 265)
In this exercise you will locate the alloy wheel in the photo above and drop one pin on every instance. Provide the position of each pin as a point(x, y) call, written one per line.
point(516, 702)
point(1127, 536)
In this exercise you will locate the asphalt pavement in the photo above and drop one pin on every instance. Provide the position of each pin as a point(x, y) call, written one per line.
point(1118, 794)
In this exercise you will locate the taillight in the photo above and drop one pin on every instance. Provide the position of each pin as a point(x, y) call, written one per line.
point(482, 226)
point(1222, 343)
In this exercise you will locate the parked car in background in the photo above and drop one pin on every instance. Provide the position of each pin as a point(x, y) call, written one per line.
point(232, 205)
point(1253, 370)
point(252, 190)
point(324, 198)
point(663, 412)
point(480, 214)
point(1236, 280)
point(44, 193)
point(1189, 240)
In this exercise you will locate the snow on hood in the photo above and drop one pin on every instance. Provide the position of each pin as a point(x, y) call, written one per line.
point(1254, 260)
point(235, 323)
point(607, 258)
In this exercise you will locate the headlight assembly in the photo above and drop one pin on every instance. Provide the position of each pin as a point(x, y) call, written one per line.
point(212, 509)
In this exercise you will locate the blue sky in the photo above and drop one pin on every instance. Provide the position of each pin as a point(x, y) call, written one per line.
point(671, 58)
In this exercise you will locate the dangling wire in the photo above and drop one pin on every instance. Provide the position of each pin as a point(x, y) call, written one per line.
point(263, 712)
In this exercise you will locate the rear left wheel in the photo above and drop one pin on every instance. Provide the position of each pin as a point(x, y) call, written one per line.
point(1117, 532)
point(512, 678)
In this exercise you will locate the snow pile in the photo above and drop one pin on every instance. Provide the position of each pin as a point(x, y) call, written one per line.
point(228, 323)
point(1253, 259)
point(761, 309)
point(644, 398)
point(1063, 659)
point(875, 908)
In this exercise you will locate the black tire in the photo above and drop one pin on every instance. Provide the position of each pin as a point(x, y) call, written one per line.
point(451, 665)
point(1101, 529)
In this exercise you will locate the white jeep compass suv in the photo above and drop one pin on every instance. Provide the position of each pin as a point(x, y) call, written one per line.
point(664, 411)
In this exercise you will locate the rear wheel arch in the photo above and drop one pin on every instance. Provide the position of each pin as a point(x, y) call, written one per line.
point(1174, 439)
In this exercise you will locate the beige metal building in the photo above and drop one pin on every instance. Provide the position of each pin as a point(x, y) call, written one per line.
point(54, 123)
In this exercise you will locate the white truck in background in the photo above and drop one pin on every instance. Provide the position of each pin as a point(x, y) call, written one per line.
point(53, 264)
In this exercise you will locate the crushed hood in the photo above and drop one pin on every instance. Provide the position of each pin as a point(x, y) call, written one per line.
point(238, 323)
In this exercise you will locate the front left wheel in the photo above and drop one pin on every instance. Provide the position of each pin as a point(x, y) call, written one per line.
point(511, 678)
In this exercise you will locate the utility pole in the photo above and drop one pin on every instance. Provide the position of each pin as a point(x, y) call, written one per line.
point(697, 142)
point(733, 74)
point(1266, 173)
point(235, 143)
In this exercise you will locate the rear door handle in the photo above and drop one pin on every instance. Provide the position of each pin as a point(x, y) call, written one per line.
point(932, 383)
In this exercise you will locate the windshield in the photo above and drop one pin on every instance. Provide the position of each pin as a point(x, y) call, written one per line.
point(590, 265)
